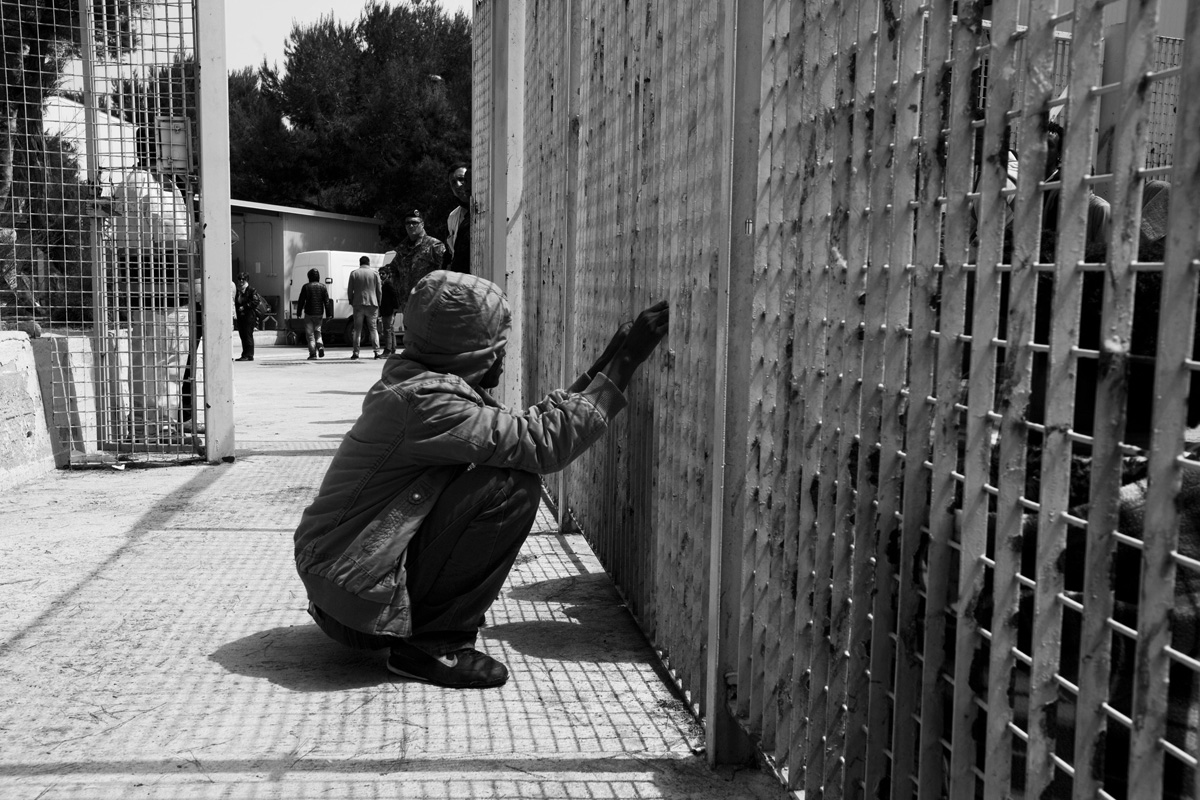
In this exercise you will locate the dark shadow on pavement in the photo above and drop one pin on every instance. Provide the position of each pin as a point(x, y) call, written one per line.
point(303, 659)
point(601, 630)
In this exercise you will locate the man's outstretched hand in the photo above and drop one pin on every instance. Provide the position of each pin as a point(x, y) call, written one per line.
point(648, 330)
point(638, 343)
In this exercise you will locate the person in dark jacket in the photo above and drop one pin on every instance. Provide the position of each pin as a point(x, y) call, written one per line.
point(314, 298)
point(431, 494)
point(389, 304)
point(245, 304)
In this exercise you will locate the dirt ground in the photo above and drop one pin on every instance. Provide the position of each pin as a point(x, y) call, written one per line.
point(154, 643)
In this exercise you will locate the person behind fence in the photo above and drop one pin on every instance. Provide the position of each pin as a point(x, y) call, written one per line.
point(247, 304)
point(314, 306)
point(431, 494)
point(458, 223)
point(362, 290)
point(150, 230)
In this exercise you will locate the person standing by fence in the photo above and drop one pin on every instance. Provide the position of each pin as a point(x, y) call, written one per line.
point(458, 241)
point(314, 305)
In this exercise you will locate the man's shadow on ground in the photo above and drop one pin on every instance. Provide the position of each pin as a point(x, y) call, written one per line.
point(601, 629)
point(303, 659)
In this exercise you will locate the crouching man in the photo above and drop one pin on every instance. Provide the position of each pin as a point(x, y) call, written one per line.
point(433, 491)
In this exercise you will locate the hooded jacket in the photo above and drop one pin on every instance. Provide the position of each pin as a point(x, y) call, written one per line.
point(422, 424)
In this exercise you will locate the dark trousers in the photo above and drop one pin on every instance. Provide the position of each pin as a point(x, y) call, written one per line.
point(245, 329)
point(387, 332)
point(459, 559)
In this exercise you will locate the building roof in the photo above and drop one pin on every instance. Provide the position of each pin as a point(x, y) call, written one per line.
point(246, 205)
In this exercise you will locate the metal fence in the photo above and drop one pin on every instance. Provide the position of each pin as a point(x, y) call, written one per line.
point(911, 493)
point(100, 211)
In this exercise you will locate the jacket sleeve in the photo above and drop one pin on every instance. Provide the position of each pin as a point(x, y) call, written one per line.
point(302, 302)
point(450, 428)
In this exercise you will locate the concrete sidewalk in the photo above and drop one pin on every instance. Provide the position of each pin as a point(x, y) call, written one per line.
point(154, 643)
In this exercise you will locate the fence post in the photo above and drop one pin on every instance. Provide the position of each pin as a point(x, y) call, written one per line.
point(725, 741)
point(570, 228)
point(215, 227)
point(505, 217)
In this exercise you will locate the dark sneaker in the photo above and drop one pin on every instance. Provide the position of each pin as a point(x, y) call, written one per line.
point(379, 355)
point(463, 669)
point(354, 357)
point(312, 356)
point(321, 352)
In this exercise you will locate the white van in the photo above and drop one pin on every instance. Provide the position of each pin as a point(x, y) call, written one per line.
point(335, 267)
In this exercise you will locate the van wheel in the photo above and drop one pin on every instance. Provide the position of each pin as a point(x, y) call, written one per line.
point(292, 338)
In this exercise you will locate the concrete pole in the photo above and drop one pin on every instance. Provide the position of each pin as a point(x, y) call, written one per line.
point(214, 233)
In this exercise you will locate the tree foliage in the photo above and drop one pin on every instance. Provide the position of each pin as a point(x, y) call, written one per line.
point(366, 117)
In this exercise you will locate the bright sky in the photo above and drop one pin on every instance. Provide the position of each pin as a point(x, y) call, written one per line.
point(255, 29)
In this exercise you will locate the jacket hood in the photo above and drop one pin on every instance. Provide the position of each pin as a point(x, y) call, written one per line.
point(456, 323)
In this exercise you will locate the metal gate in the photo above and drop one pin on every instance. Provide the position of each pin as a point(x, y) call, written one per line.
point(101, 220)
point(912, 493)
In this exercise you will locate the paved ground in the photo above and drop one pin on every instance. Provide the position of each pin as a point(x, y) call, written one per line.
point(153, 643)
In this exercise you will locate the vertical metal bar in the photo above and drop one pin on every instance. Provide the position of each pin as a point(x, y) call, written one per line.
point(789, 413)
point(571, 52)
point(215, 224)
point(1172, 379)
point(820, 424)
point(949, 430)
point(881, 434)
point(842, 402)
point(1037, 66)
point(747, 132)
point(907, 367)
point(981, 429)
point(670, 626)
point(866, 426)
point(1078, 147)
point(806, 364)
point(737, 182)
point(816, 280)
point(930, 416)
point(101, 350)
point(766, 410)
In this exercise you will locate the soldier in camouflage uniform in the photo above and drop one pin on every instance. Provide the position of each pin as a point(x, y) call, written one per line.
point(416, 256)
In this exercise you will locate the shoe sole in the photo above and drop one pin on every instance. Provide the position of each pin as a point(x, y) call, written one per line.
point(423, 679)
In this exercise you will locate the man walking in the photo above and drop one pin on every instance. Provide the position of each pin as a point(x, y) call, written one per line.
point(312, 305)
point(430, 496)
point(363, 290)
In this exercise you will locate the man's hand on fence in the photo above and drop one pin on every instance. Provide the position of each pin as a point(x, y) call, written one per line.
point(647, 331)
point(644, 335)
